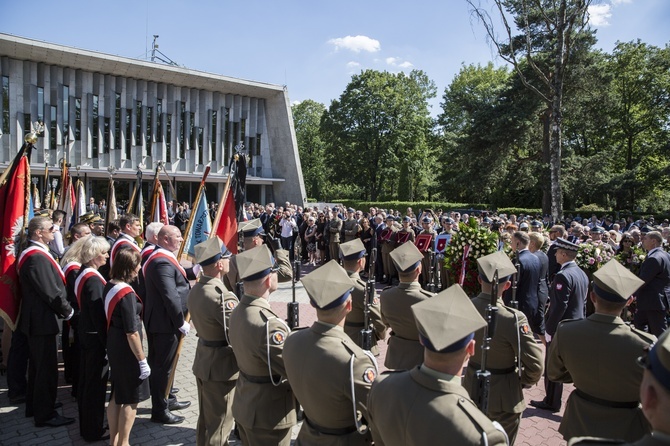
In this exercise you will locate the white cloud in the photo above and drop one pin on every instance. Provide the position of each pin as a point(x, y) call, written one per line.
point(356, 44)
point(293, 103)
point(396, 62)
point(619, 2)
point(353, 64)
point(599, 15)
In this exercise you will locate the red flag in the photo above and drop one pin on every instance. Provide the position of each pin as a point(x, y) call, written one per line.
point(160, 206)
point(227, 227)
point(14, 199)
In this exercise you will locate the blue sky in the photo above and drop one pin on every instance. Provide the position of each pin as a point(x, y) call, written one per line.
point(314, 46)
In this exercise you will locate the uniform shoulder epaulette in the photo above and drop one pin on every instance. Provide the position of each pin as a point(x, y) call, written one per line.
point(643, 334)
point(391, 372)
point(567, 321)
point(267, 314)
point(471, 410)
point(361, 282)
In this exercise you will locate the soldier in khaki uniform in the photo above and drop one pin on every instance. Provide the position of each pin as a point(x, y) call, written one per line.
point(388, 242)
point(330, 375)
point(334, 229)
point(406, 234)
point(427, 405)
point(654, 396)
point(514, 358)
point(215, 368)
point(605, 403)
point(426, 265)
point(353, 259)
point(253, 234)
point(404, 350)
point(351, 226)
point(264, 405)
point(447, 228)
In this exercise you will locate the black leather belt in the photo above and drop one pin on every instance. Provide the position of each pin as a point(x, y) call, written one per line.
point(607, 403)
point(261, 379)
point(207, 343)
point(354, 324)
point(506, 371)
point(327, 431)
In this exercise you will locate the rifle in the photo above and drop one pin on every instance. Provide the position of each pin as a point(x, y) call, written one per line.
point(514, 303)
point(293, 308)
point(366, 332)
point(481, 396)
point(432, 286)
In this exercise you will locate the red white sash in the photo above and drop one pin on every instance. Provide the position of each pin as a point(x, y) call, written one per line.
point(146, 252)
point(113, 297)
point(121, 243)
point(86, 274)
point(71, 266)
point(164, 254)
point(36, 249)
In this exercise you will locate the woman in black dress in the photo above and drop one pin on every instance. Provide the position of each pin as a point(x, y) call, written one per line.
point(128, 363)
point(93, 369)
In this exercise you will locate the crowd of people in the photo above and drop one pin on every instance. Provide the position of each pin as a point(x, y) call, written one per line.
point(114, 286)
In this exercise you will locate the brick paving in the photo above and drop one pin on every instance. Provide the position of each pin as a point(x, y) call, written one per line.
point(537, 427)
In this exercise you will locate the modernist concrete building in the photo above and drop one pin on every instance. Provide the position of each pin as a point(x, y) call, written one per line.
point(101, 110)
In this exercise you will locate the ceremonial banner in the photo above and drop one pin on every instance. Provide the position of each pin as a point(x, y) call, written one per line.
point(441, 242)
point(422, 242)
point(201, 228)
point(14, 202)
point(226, 228)
point(160, 207)
point(112, 211)
point(80, 202)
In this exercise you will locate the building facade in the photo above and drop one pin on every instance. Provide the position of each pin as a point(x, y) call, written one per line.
point(101, 110)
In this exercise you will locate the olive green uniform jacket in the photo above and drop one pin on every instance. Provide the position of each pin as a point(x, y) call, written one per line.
point(404, 350)
point(414, 408)
point(598, 354)
point(319, 366)
point(355, 321)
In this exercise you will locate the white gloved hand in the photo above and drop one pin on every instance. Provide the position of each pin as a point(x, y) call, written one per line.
point(185, 328)
point(197, 269)
point(145, 370)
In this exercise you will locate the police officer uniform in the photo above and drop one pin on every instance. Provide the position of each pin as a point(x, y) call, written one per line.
point(330, 375)
point(404, 350)
point(264, 405)
point(425, 406)
point(215, 368)
point(657, 365)
point(514, 358)
point(351, 228)
point(605, 403)
point(355, 321)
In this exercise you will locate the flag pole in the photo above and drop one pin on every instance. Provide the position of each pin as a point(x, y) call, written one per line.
point(187, 318)
point(190, 220)
point(155, 189)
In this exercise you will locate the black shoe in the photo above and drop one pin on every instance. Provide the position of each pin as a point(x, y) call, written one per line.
point(544, 406)
point(174, 390)
point(56, 421)
point(167, 417)
point(101, 438)
point(58, 405)
point(179, 405)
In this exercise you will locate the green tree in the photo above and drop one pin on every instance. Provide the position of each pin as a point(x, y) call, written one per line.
point(379, 121)
point(306, 119)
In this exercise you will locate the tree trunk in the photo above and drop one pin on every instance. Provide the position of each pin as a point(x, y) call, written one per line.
point(546, 158)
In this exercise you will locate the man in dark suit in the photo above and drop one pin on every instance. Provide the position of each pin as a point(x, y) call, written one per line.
point(167, 287)
point(528, 280)
point(536, 243)
point(567, 297)
point(43, 296)
point(652, 297)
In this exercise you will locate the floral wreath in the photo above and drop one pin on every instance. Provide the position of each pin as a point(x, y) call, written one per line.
point(591, 256)
point(460, 257)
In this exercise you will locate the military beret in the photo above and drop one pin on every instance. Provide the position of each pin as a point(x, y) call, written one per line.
point(657, 360)
point(252, 228)
point(210, 251)
point(562, 243)
point(328, 286)
point(406, 257)
point(352, 250)
point(597, 230)
point(255, 263)
point(615, 283)
point(447, 321)
point(499, 261)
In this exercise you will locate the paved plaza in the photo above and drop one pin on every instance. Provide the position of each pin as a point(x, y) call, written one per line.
point(537, 427)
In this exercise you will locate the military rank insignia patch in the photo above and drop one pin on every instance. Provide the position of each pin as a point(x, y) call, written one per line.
point(369, 375)
point(559, 286)
point(230, 305)
point(277, 337)
point(524, 329)
point(375, 301)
